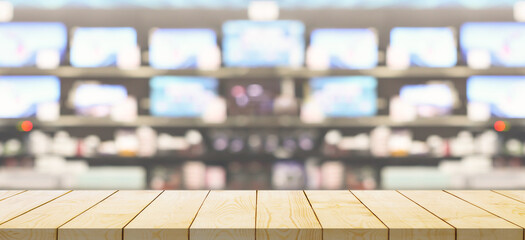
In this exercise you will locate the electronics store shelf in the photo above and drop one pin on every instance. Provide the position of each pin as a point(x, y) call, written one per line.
point(228, 72)
point(252, 215)
point(224, 159)
point(260, 121)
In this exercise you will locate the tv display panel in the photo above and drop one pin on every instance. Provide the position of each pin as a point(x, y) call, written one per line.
point(179, 48)
point(347, 48)
point(97, 100)
point(503, 94)
point(504, 41)
point(21, 96)
point(173, 96)
point(352, 96)
point(426, 46)
point(99, 46)
point(21, 42)
point(263, 43)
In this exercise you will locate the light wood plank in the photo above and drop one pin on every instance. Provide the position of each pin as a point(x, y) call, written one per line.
point(497, 204)
point(518, 195)
point(168, 218)
point(24, 202)
point(9, 193)
point(106, 220)
point(226, 215)
point(286, 215)
point(471, 222)
point(42, 223)
point(405, 219)
point(343, 216)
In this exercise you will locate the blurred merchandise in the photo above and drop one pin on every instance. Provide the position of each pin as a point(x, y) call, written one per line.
point(251, 98)
point(22, 43)
point(181, 96)
point(345, 96)
point(503, 42)
point(426, 47)
point(263, 43)
point(90, 98)
point(342, 48)
point(99, 46)
point(180, 48)
point(503, 95)
point(304, 95)
point(25, 96)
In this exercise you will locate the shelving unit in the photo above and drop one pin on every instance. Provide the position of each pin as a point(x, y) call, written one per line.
point(261, 122)
point(228, 72)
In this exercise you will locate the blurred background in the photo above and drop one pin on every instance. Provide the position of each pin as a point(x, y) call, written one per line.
point(240, 94)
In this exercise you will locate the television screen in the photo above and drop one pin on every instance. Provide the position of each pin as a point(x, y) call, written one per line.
point(96, 100)
point(263, 43)
point(426, 46)
point(100, 47)
point(21, 42)
point(430, 99)
point(21, 96)
point(172, 96)
point(347, 48)
point(503, 94)
point(504, 41)
point(179, 48)
point(353, 96)
point(251, 97)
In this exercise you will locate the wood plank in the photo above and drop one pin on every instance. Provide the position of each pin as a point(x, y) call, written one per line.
point(405, 219)
point(497, 204)
point(106, 220)
point(471, 222)
point(42, 223)
point(286, 215)
point(517, 195)
point(226, 215)
point(9, 193)
point(168, 217)
point(343, 216)
point(24, 202)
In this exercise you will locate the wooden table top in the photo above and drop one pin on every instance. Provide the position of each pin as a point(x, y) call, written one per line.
point(249, 215)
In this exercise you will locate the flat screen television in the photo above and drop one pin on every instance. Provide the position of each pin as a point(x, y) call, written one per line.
point(180, 96)
point(426, 46)
point(179, 48)
point(435, 99)
point(21, 96)
point(263, 43)
point(93, 99)
point(100, 46)
point(347, 48)
point(21, 42)
point(504, 41)
point(503, 94)
point(345, 96)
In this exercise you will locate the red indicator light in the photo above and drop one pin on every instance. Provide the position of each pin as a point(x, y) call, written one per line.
point(500, 126)
point(26, 126)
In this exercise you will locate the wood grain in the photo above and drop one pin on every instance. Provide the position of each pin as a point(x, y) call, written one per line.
point(405, 219)
point(517, 195)
point(24, 202)
point(42, 223)
point(226, 215)
point(471, 222)
point(4, 194)
point(106, 220)
point(499, 205)
point(167, 218)
point(286, 215)
point(343, 216)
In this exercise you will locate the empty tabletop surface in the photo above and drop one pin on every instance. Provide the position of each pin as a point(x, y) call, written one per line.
point(258, 214)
